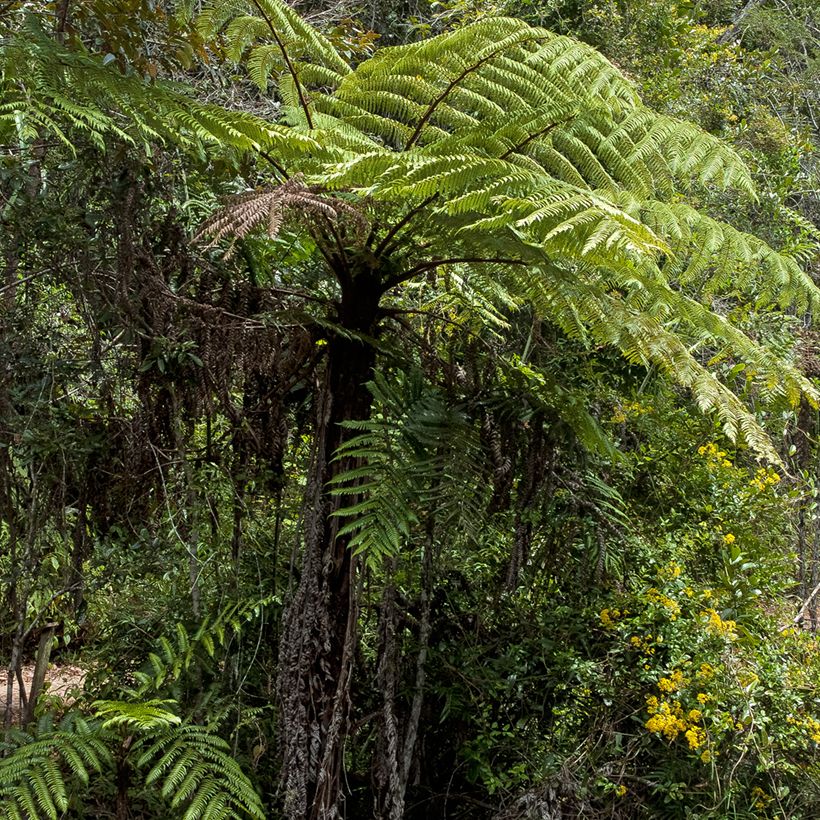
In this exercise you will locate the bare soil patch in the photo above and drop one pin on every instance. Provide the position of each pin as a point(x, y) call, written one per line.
point(60, 681)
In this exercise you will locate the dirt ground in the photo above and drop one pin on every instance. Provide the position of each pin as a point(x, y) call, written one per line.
point(60, 680)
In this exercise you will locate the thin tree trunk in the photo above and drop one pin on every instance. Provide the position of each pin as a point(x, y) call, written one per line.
point(40, 669)
point(319, 634)
point(425, 628)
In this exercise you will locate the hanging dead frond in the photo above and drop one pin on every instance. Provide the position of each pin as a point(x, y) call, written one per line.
point(270, 206)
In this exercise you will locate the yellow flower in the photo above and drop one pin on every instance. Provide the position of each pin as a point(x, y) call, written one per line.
point(706, 756)
point(728, 538)
point(608, 617)
point(703, 697)
point(671, 684)
point(764, 478)
point(669, 572)
point(695, 715)
point(620, 790)
point(654, 596)
point(706, 671)
point(695, 737)
point(717, 626)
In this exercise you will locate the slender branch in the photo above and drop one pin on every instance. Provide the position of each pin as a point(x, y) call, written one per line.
point(425, 628)
point(291, 68)
point(384, 245)
point(437, 263)
point(444, 94)
point(342, 254)
point(806, 604)
point(736, 21)
point(17, 282)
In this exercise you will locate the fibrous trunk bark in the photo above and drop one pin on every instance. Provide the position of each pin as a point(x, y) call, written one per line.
point(319, 635)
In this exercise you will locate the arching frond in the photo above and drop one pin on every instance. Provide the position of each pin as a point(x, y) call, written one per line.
point(46, 88)
point(39, 770)
point(416, 454)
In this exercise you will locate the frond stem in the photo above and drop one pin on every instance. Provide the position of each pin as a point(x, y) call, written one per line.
point(437, 263)
point(384, 245)
point(542, 133)
point(265, 155)
point(453, 84)
point(291, 68)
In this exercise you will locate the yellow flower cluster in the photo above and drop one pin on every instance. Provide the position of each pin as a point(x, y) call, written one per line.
point(674, 682)
point(665, 719)
point(627, 409)
point(609, 616)
point(669, 572)
point(669, 720)
point(810, 724)
point(695, 736)
point(665, 601)
point(729, 538)
point(714, 456)
point(644, 645)
point(621, 790)
point(764, 477)
point(717, 626)
point(761, 799)
point(706, 672)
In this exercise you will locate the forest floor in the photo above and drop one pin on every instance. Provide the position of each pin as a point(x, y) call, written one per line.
point(60, 681)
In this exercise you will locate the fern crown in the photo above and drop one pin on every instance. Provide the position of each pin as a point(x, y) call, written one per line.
point(524, 159)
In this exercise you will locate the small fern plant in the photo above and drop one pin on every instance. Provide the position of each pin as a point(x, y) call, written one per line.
point(46, 771)
point(197, 776)
point(42, 769)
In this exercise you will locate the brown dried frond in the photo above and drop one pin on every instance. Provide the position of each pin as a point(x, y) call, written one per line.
point(268, 206)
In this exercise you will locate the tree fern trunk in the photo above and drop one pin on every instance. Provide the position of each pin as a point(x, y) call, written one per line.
point(319, 635)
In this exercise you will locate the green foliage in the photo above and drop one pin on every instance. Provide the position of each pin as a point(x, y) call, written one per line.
point(48, 89)
point(39, 771)
point(415, 453)
point(180, 653)
point(45, 773)
point(573, 592)
point(571, 200)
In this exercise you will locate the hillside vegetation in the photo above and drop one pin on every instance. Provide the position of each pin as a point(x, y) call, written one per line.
point(410, 410)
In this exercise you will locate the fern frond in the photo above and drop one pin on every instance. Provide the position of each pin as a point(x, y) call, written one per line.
point(417, 454)
point(37, 771)
point(269, 207)
point(45, 86)
point(197, 773)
